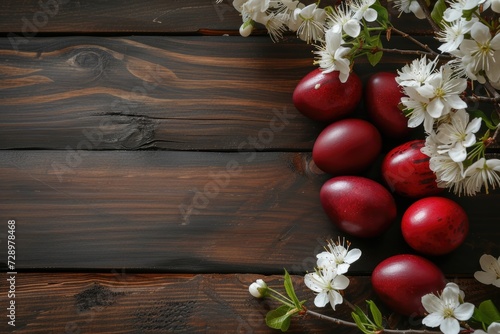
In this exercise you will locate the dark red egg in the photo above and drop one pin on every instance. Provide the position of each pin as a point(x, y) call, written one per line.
point(358, 205)
point(347, 147)
point(435, 225)
point(400, 282)
point(382, 98)
point(406, 171)
point(323, 97)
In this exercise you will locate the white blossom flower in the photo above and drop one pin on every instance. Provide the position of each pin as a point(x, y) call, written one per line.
point(409, 6)
point(482, 53)
point(339, 256)
point(456, 8)
point(443, 88)
point(493, 328)
point(446, 310)
point(252, 9)
point(362, 10)
point(416, 73)
point(309, 22)
point(453, 34)
point(491, 270)
point(332, 55)
point(416, 107)
point(275, 25)
point(342, 20)
point(446, 169)
point(326, 283)
point(482, 173)
point(457, 135)
point(258, 289)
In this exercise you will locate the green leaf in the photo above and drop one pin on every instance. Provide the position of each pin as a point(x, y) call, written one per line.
point(382, 13)
point(359, 312)
point(489, 312)
point(280, 318)
point(360, 323)
point(374, 58)
point(376, 314)
point(290, 291)
point(486, 119)
point(438, 11)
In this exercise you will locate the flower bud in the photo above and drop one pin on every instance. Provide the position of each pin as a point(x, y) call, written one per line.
point(258, 289)
point(246, 28)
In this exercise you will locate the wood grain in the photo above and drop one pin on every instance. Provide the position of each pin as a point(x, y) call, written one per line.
point(191, 212)
point(133, 17)
point(179, 93)
point(124, 302)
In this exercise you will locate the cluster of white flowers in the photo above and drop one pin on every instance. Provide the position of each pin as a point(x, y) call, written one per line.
point(433, 95)
point(326, 27)
point(328, 278)
point(468, 31)
point(433, 99)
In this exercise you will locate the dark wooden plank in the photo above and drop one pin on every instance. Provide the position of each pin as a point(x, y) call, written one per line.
point(30, 18)
point(191, 212)
point(181, 93)
point(152, 92)
point(22, 21)
point(123, 302)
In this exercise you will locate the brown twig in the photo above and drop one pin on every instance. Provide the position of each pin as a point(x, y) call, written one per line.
point(415, 41)
point(428, 16)
point(352, 324)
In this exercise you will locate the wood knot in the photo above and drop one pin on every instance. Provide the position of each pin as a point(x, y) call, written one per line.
point(95, 296)
point(91, 61)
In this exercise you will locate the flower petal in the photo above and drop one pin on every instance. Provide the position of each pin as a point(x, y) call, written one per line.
point(353, 255)
point(340, 282)
point(335, 298)
point(432, 303)
point(342, 268)
point(458, 153)
point(450, 297)
point(370, 15)
point(485, 277)
point(321, 299)
point(433, 320)
point(450, 326)
point(464, 311)
point(313, 282)
point(352, 28)
point(487, 262)
point(436, 108)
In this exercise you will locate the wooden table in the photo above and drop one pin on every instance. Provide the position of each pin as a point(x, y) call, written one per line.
point(155, 166)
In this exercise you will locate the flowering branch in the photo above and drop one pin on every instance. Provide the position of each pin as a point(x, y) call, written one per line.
point(447, 310)
point(434, 84)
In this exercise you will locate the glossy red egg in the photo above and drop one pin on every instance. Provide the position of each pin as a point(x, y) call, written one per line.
point(358, 206)
point(382, 97)
point(435, 225)
point(400, 282)
point(322, 97)
point(406, 171)
point(348, 146)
